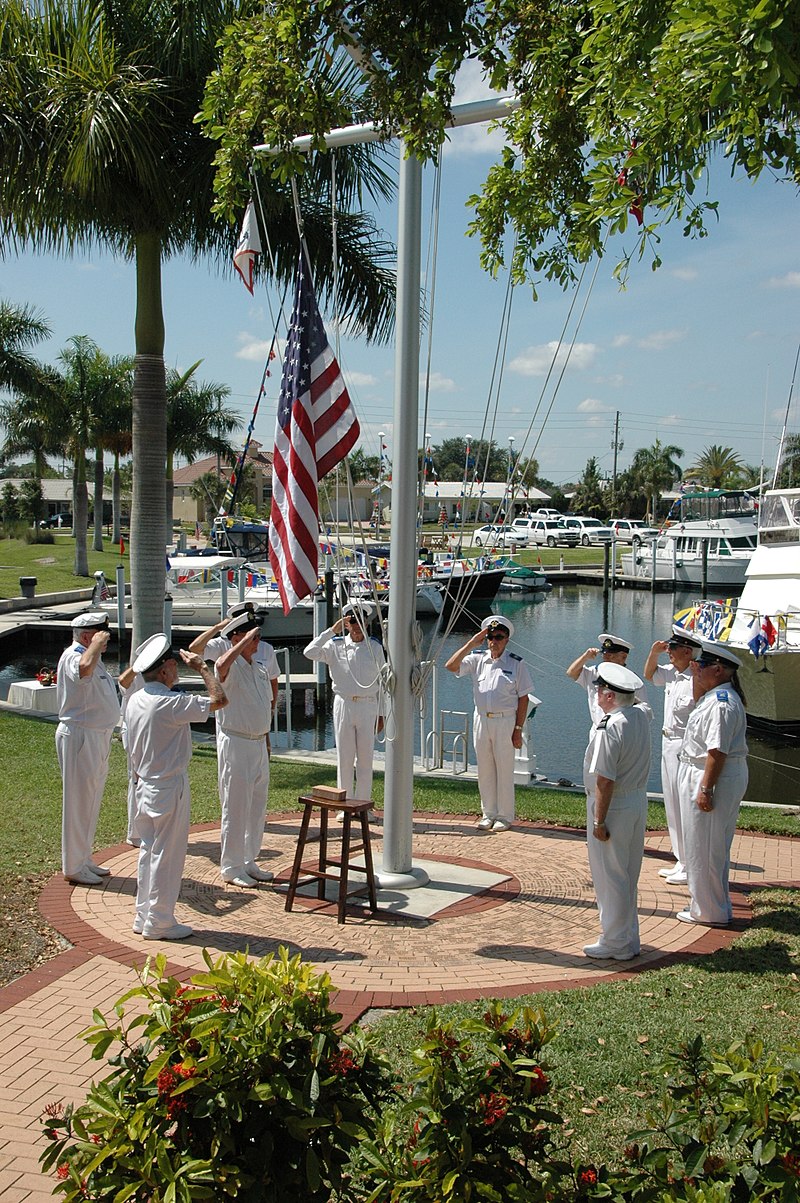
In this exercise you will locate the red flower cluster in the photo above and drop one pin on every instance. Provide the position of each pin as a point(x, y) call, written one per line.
point(495, 1107)
point(587, 1176)
point(46, 676)
point(62, 1171)
point(791, 1162)
point(170, 1077)
point(342, 1063)
point(539, 1082)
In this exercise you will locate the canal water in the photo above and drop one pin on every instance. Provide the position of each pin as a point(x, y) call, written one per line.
point(550, 631)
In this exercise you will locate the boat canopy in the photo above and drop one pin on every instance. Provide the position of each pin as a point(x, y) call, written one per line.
point(779, 516)
point(711, 505)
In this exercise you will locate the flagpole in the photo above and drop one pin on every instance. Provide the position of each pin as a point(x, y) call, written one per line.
point(398, 812)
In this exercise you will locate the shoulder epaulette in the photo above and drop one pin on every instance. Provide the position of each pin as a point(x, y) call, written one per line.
point(601, 726)
point(723, 695)
point(514, 656)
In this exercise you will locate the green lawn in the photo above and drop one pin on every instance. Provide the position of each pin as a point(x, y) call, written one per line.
point(51, 564)
point(610, 1036)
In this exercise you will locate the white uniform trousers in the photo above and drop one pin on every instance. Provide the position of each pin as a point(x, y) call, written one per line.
point(495, 754)
point(707, 838)
point(130, 834)
point(615, 864)
point(243, 776)
point(670, 749)
point(354, 726)
point(162, 824)
point(83, 754)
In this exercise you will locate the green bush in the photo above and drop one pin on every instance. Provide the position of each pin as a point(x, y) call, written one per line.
point(240, 1086)
point(728, 1130)
point(236, 1085)
point(34, 534)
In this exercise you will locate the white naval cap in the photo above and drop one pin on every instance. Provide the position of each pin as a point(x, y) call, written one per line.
point(242, 623)
point(718, 653)
point(91, 620)
point(364, 611)
point(680, 637)
point(498, 620)
point(613, 643)
point(619, 678)
point(243, 607)
point(152, 653)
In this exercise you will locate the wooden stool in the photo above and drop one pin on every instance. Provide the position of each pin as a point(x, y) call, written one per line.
point(351, 810)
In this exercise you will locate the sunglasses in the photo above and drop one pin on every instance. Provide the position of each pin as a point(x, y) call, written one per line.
point(352, 622)
point(496, 635)
point(701, 663)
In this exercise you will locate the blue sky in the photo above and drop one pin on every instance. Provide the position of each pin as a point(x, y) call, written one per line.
point(699, 352)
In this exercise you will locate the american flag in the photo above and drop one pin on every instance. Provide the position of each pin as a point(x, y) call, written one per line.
point(316, 427)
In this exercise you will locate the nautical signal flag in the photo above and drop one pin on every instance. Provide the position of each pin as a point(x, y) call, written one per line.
point(121, 546)
point(316, 427)
point(248, 248)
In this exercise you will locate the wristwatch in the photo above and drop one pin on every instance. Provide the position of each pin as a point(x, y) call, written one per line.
point(518, 728)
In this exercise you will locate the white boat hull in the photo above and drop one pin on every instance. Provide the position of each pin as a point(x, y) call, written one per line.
point(724, 572)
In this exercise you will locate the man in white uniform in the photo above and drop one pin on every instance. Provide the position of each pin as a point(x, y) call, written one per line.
point(712, 778)
point(242, 760)
point(615, 772)
point(356, 663)
point(160, 746)
point(88, 710)
point(677, 680)
point(501, 684)
point(613, 650)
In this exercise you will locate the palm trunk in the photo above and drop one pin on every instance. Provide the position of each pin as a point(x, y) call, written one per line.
point(116, 500)
point(170, 495)
point(148, 538)
point(97, 545)
point(80, 514)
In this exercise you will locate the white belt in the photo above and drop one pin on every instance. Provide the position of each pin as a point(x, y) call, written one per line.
point(242, 734)
point(669, 735)
point(359, 697)
point(497, 713)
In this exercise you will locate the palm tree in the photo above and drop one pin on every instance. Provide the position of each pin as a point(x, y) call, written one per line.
point(116, 437)
point(717, 466)
point(655, 469)
point(29, 431)
point(113, 395)
point(99, 146)
point(197, 424)
point(20, 328)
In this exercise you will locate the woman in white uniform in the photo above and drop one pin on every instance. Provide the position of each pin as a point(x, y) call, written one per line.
point(613, 650)
point(501, 684)
point(677, 680)
point(615, 771)
point(712, 778)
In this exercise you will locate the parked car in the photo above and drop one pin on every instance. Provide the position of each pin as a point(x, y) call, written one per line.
point(590, 531)
point(631, 530)
point(500, 536)
point(546, 530)
point(543, 512)
point(56, 520)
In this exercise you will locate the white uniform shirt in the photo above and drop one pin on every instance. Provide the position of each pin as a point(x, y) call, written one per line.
point(249, 690)
point(619, 749)
point(92, 700)
point(588, 679)
point(355, 667)
point(264, 654)
point(497, 684)
point(678, 697)
point(718, 721)
point(127, 694)
point(159, 738)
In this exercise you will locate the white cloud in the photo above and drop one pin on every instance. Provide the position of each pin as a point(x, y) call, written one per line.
point(256, 349)
point(659, 340)
point(620, 340)
point(684, 273)
point(438, 383)
point(361, 379)
point(790, 280)
point(536, 361)
point(592, 406)
point(670, 420)
point(478, 139)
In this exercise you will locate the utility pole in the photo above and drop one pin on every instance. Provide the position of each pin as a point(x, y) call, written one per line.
point(616, 444)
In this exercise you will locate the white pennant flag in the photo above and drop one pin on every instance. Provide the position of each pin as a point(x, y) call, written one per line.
point(247, 248)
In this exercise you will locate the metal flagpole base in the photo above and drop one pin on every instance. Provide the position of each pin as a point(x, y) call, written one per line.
point(401, 881)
